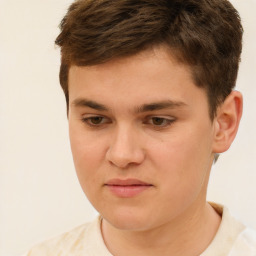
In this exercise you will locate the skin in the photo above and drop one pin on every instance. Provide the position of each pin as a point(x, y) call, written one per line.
point(123, 126)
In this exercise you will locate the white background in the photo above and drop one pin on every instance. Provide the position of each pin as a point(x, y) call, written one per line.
point(39, 193)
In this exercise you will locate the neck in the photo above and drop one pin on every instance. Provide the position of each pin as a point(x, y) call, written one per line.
point(190, 234)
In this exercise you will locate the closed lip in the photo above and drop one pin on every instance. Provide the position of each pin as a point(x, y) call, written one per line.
point(126, 182)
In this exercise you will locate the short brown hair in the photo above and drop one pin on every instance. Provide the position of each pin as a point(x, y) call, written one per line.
point(204, 34)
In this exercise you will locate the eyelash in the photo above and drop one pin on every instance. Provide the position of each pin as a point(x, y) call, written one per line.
point(167, 121)
point(88, 121)
point(148, 120)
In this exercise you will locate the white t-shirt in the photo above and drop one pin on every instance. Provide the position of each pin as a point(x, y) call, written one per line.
point(232, 239)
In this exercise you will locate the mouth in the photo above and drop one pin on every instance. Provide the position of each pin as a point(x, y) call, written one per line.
point(127, 188)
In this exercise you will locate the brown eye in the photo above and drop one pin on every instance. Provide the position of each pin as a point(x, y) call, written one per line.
point(95, 120)
point(158, 121)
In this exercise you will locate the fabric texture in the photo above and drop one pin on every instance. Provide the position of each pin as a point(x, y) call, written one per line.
point(232, 239)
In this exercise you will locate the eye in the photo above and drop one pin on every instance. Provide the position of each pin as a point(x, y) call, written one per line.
point(160, 121)
point(95, 120)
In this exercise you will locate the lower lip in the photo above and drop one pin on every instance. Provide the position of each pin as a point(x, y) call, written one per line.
point(128, 191)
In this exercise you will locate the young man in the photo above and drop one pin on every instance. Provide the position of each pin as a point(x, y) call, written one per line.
point(150, 103)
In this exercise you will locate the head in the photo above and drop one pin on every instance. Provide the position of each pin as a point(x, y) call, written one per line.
point(206, 35)
point(149, 95)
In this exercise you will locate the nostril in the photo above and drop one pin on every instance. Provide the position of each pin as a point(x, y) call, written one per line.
point(124, 149)
point(124, 160)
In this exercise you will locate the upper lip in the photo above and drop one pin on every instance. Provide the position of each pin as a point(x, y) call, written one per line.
point(127, 182)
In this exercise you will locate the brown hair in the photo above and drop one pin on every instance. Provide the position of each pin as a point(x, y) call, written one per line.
point(205, 34)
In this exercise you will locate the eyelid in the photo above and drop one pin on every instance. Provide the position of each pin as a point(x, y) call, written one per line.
point(86, 119)
point(171, 118)
point(168, 120)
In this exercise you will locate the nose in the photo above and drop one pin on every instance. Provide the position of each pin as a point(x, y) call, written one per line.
point(125, 149)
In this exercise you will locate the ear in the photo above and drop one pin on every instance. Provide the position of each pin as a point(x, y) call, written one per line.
point(227, 121)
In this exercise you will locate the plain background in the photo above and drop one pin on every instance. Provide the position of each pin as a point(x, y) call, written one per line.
point(40, 196)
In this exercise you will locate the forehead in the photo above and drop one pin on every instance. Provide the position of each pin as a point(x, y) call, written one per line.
point(158, 58)
point(153, 75)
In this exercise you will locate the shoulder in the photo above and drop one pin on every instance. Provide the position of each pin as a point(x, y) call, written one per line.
point(245, 243)
point(233, 238)
point(79, 240)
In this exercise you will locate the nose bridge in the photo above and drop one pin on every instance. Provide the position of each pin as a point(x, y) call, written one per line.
point(125, 147)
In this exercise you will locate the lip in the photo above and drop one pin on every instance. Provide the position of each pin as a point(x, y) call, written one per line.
point(127, 188)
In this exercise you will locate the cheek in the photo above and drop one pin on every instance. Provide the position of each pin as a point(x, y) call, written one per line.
point(183, 160)
point(176, 153)
point(87, 152)
point(87, 160)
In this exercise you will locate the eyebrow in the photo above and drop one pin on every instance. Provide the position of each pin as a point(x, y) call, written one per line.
point(165, 104)
point(89, 103)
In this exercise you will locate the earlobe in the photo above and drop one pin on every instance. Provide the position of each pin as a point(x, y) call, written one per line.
point(227, 121)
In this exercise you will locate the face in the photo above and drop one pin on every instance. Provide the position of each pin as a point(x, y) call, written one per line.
point(141, 139)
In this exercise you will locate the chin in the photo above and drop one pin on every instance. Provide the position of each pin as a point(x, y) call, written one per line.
point(130, 220)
